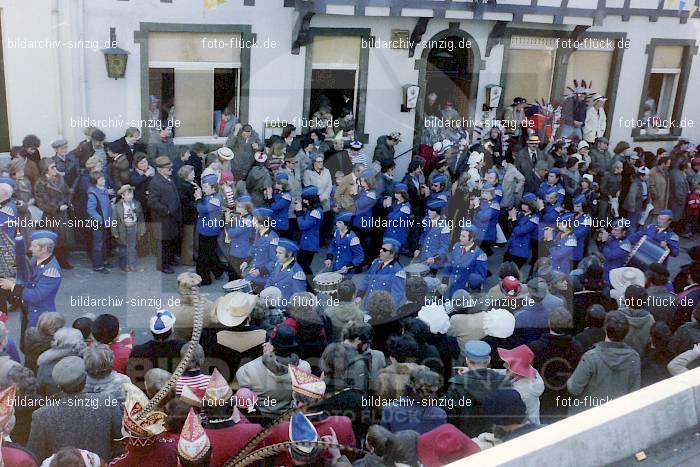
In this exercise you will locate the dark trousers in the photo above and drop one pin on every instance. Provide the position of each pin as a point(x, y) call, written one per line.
point(207, 259)
point(327, 227)
point(99, 247)
point(367, 241)
point(166, 253)
point(305, 258)
point(234, 268)
point(520, 262)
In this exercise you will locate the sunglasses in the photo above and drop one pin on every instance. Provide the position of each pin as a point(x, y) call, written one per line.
point(386, 250)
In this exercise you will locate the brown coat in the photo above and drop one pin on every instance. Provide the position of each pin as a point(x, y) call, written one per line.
point(343, 197)
point(659, 189)
point(49, 196)
point(392, 381)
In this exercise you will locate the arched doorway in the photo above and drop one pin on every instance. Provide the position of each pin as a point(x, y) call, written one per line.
point(448, 76)
point(450, 68)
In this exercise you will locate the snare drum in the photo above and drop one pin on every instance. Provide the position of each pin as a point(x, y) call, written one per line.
point(240, 285)
point(645, 253)
point(417, 270)
point(327, 282)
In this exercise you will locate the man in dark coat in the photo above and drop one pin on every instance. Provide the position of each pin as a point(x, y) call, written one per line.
point(75, 419)
point(384, 151)
point(86, 148)
point(164, 202)
point(128, 144)
point(337, 159)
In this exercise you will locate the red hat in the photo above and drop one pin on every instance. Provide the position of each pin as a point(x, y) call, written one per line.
point(695, 161)
point(443, 445)
point(510, 286)
point(519, 360)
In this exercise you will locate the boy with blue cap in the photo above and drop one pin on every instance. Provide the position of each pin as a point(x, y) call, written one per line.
point(435, 240)
point(616, 248)
point(385, 273)
point(399, 215)
point(465, 258)
point(240, 232)
point(209, 203)
point(345, 251)
point(486, 218)
point(263, 251)
point(38, 295)
point(660, 233)
point(286, 274)
point(553, 181)
point(468, 389)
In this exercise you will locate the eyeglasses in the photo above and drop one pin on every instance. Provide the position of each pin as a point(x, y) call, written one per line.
point(386, 250)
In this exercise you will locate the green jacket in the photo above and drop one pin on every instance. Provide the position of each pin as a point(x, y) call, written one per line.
point(118, 227)
point(341, 314)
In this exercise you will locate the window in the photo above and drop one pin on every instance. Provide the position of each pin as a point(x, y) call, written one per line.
point(530, 68)
point(192, 76)
point(668, 68)
point(592, 66)
point(334, 75)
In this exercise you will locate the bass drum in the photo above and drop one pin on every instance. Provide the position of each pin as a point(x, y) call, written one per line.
point(645, 253)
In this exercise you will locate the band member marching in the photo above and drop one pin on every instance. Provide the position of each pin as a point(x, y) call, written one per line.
point(582, 227)
point(486, 218)
point(345, 251)
point(363, 220)
point(209, 204)
point(562, 243)
point(39, 293)
point(466, 258)
point(286, 274)
point(524, 230)
point(263, 250)
point(435, 241)
point(399, 216)
point(309, 218)
point(385, 273)
point(616, 248)
point(241, 232)
point(660, 233)
point(280, 202)
point(8, 225)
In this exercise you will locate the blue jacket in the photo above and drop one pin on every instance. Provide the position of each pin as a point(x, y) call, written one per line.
point(435, 242)
point(345, 251)
point(486, 219)
point(280, 211)
point(263, 253)
point(398, 222)
point(544, 186)
point(310, 227)
point(363, 209)
point(582, 229)
point(241, 233)
point(561, 253)
point(549, 216)
point(98, 205)
point(39, 294)
point(390, 278)
point(524, 229)
point(461, 264)
point(209, 215)
point(531, 321)
point(616, 253)
point(8, 218)
point(654, 234)
point(289, 280)
point(498, 193)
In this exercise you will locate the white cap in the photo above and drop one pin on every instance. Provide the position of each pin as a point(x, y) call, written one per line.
point(436, 317)
point(162, 322)
point(582, 144)
point(499, 323)
point(643, 170)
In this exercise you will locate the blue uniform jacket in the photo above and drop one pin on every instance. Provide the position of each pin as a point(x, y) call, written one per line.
point(544, 186)
point(486, 219)
point(562, 253)
point(290, 280)
point(39, 294)
point(399, 219)
point(657, 236)
point(8, 218)
point(463, 263)
point(280, 210)
point(310, 227)
point(498, 193)
point(390, 278)
point(616, 253)
point(263, 254)
point(524, 229)
point(345, 251)
point(550, 214)
point(209, 215)
point(435, 242)
point(98, 205)
point(363, 209)
point(582, 229)
point(241, 233)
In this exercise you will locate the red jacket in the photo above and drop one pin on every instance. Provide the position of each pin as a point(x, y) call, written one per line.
point(228, 438)
point(158, 452)
point(122, 349)
point(341, 425)
point(14, 455)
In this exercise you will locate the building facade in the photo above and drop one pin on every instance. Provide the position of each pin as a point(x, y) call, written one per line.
point(277, 60)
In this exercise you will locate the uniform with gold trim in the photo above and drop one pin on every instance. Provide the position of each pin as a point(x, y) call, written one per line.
point(388, 276)
point(582, 228)
point(263, 249)
point(435, 239)
point(562, 249)
point(345, 250)
point(616, 250)
point(287, 276)
point(657, 235)
point(208, 229)
point(39, 293)
point(465, 260)
point(398, 218)
point(486, 215)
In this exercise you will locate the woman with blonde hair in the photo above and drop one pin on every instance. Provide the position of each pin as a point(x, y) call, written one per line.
point(38, 339)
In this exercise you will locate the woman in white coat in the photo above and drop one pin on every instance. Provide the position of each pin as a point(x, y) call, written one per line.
point(596, 120)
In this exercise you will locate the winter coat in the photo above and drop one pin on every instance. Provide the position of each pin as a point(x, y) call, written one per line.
point(654, 366)
point(661, 303)
point(341, 314)
point(324, 182)
point(118, 226)
point(601, 158)
point(49, 196)
point(607, 371)
point(589, 337)
point(418, 416)
point(513, 186)
point(257, 180)
point(111, 386)
point(187, 202)
point(382, 151)
point(164, 203)
point(243, 153)
point(634, 201)
point(596, 121)
point(659, 189)
point(99, 207)
point(684, 338)
point(530, 390)
point(678, 193)
point(35, 343)
point(119, 172)
point(268, 377)
point(640, 322)
point(466, 327)
point(392, 381)
point(46, 361)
